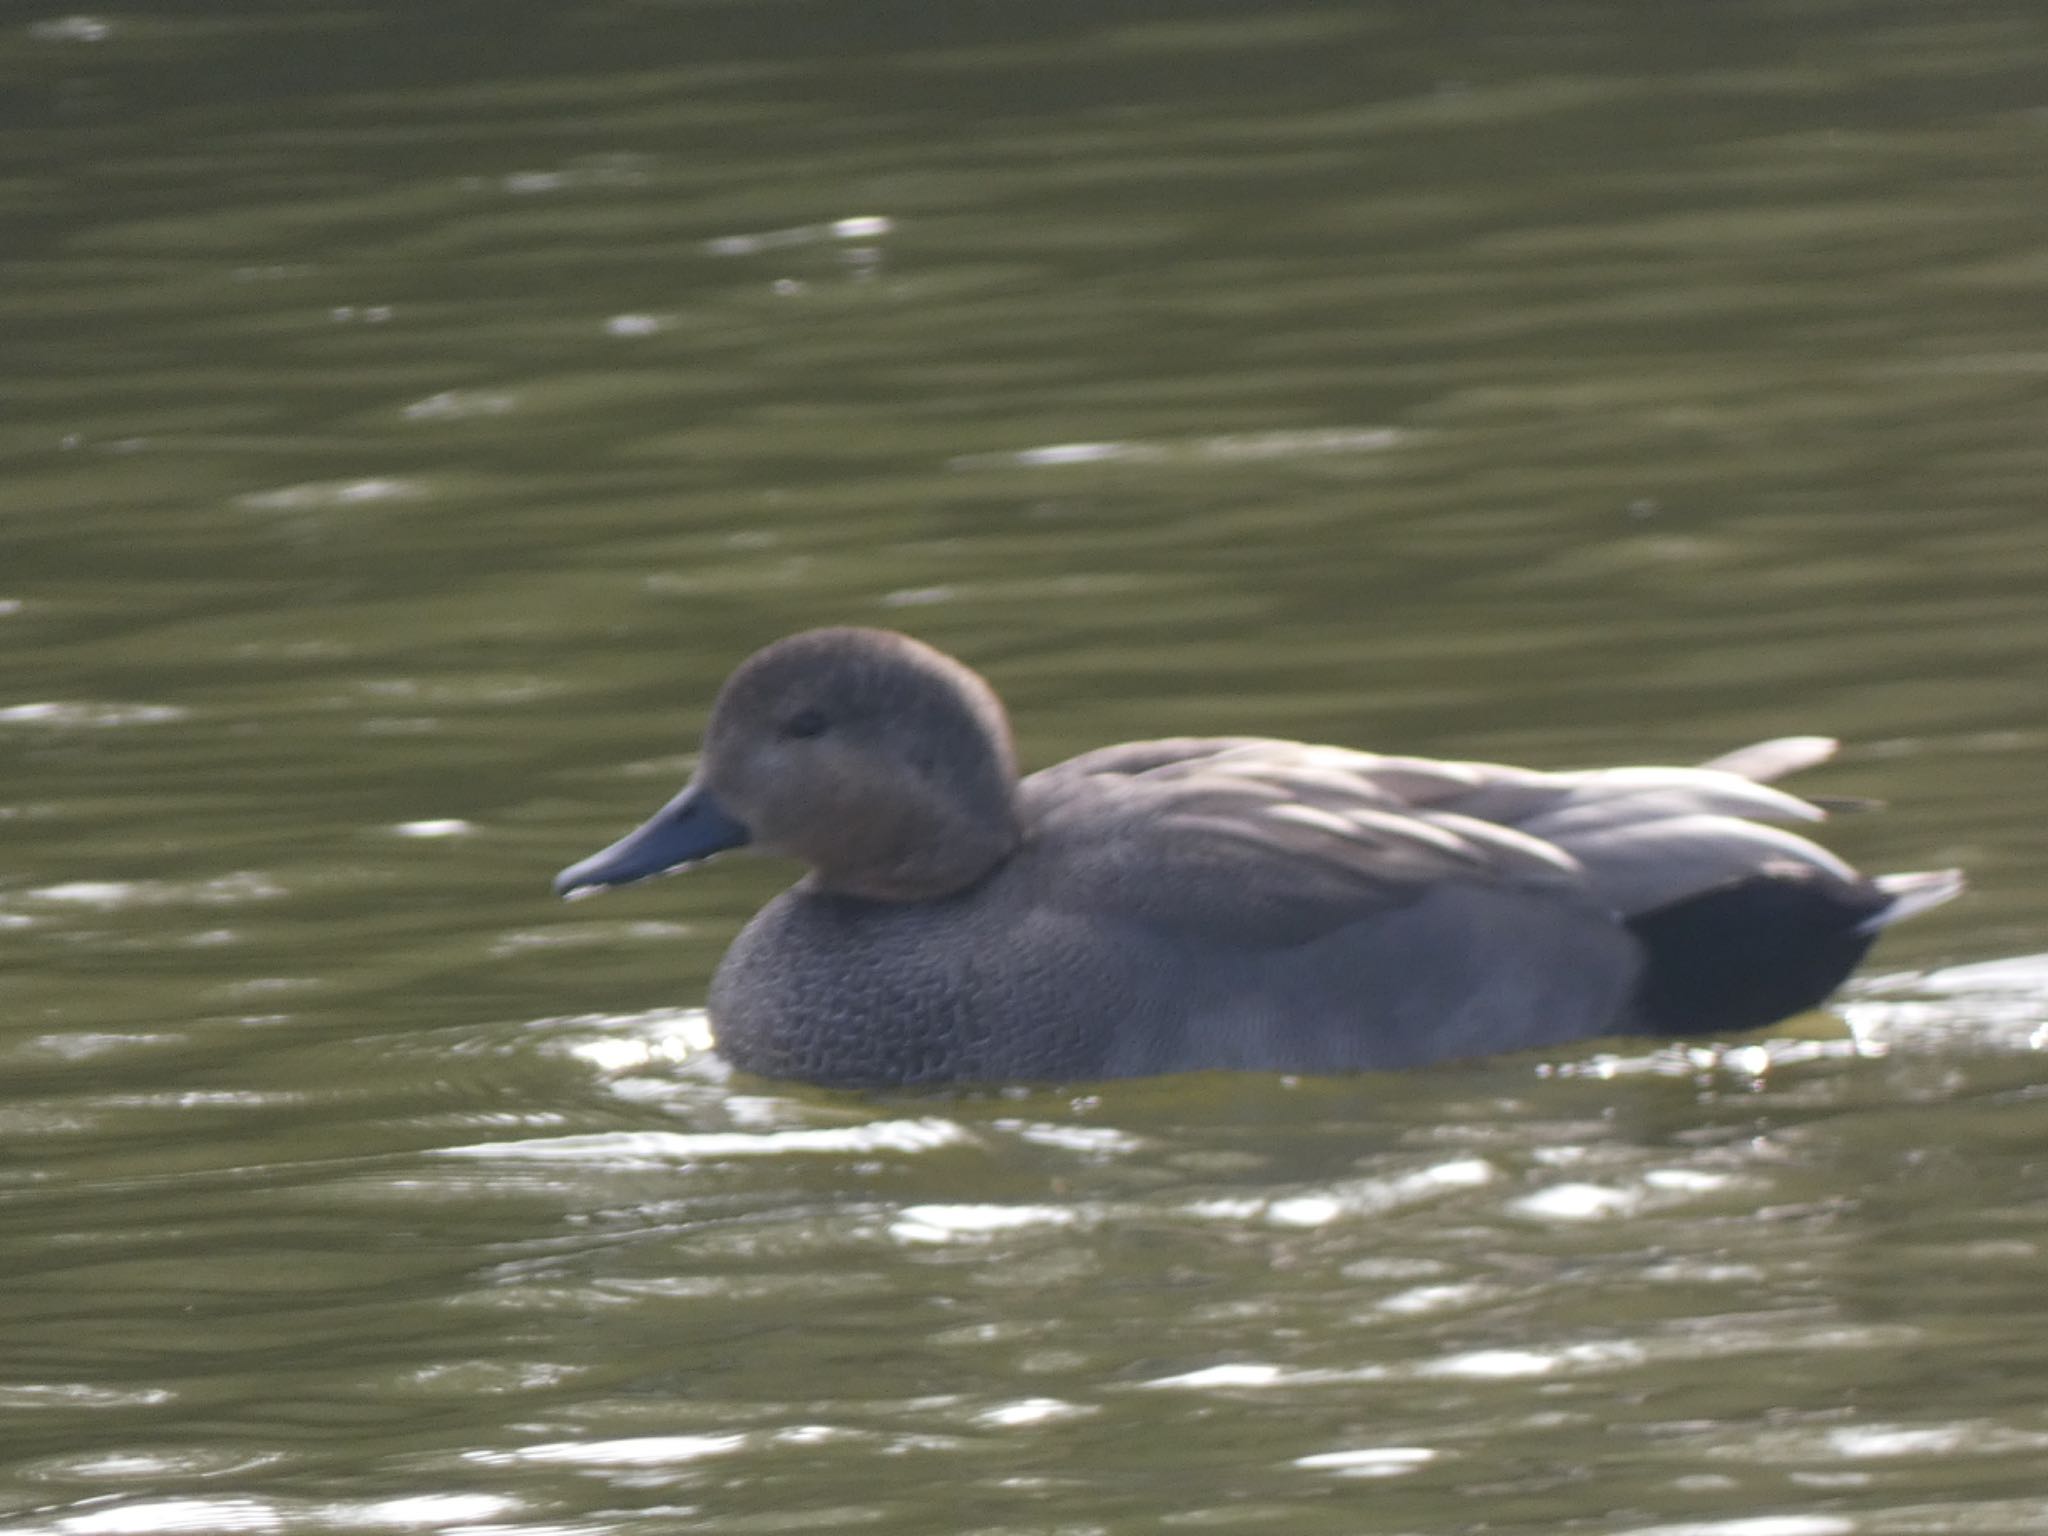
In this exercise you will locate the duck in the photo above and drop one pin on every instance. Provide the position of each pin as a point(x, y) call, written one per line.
point(1221, 903)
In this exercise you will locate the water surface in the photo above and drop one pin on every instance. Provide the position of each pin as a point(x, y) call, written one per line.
point(411, 413)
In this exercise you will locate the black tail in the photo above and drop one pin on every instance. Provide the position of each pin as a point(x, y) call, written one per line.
point(1760, 949)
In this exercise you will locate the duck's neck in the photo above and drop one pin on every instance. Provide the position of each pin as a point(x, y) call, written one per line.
point(936, 857)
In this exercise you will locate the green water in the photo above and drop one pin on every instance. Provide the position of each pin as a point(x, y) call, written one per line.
point(409, 412)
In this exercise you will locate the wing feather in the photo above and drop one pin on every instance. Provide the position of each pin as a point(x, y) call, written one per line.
point(1290, 840)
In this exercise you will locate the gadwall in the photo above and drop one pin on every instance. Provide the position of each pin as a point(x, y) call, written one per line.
point(1221, 902)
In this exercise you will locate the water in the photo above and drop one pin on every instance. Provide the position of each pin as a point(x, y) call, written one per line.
point(408, 415)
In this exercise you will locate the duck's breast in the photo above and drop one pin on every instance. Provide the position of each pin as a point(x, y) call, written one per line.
point(978, 987)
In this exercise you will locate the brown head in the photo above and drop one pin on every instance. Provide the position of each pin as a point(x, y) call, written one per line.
point(884, 765)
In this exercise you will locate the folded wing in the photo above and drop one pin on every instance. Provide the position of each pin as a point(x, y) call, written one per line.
point(1289, 841)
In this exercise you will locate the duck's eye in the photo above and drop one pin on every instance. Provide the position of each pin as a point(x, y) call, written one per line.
point(804, 724)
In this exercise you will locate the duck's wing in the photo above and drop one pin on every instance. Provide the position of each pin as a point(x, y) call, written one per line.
point(1264, 842)
point(1302, 839)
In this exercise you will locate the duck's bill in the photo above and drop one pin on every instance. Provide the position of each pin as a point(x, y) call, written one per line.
point(690, 828)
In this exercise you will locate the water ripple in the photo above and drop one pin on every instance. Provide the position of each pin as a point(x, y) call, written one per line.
point(83, 715)
point(643, 1149)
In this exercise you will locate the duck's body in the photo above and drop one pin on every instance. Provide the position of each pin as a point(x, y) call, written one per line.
point(1208, 904)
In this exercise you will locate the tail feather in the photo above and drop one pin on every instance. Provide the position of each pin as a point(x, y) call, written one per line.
point(1763, 762)
point(1911, 895)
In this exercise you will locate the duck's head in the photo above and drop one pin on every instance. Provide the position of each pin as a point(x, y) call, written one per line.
point(882, 764)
